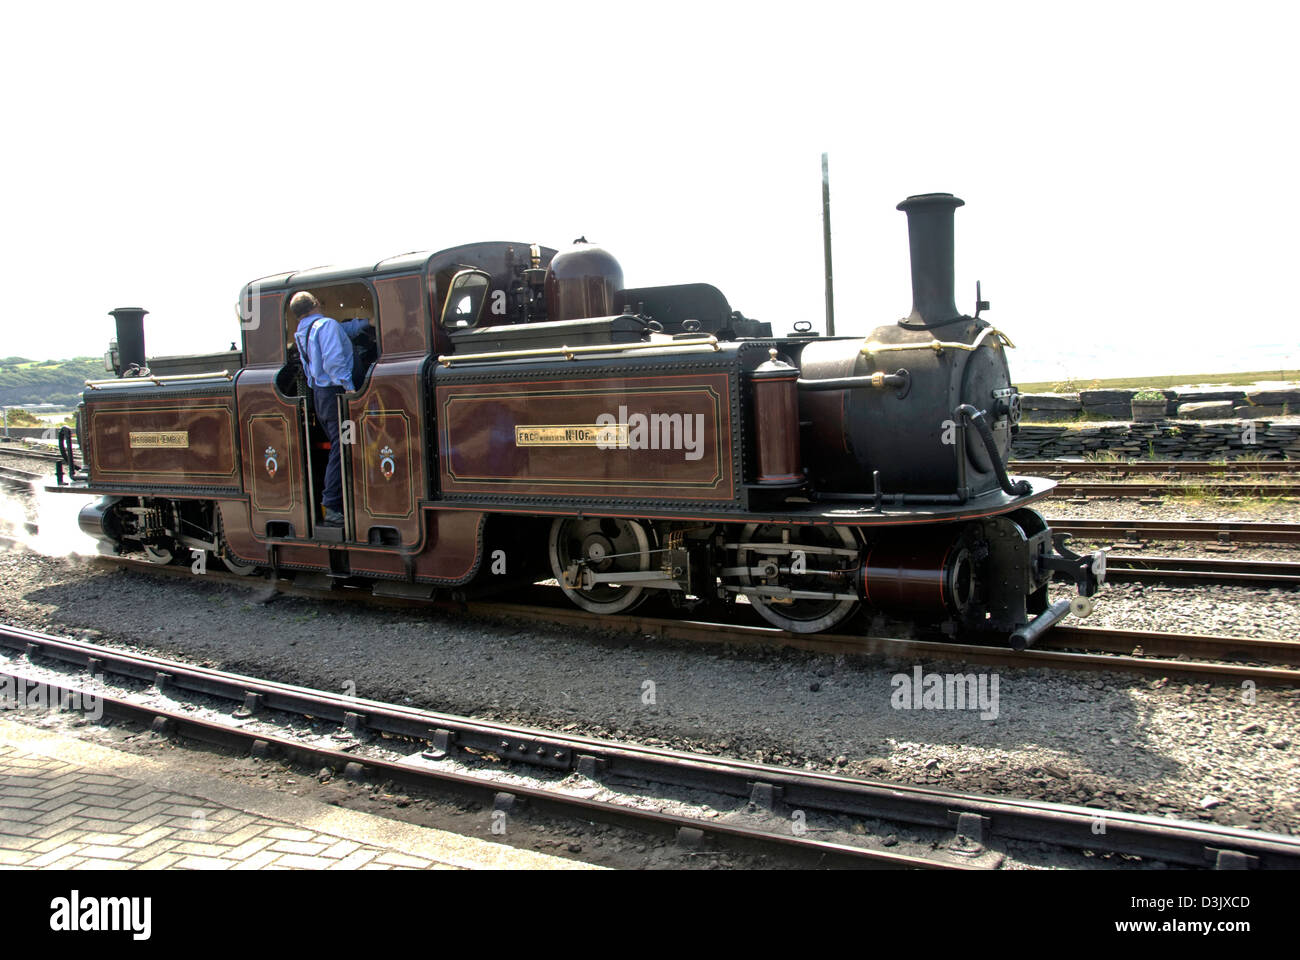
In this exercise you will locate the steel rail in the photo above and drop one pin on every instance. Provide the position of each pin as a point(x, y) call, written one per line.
point(1171, 467)
point(1065, 825)
point(1054, 650)
point(1269, 573)
point(688, 831)
point(1222, 531)
point(31, 453)
point(1131, 489)
point(13, 477)
point(1156, 643)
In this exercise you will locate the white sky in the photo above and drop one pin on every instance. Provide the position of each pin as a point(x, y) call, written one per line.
point(1128, 169)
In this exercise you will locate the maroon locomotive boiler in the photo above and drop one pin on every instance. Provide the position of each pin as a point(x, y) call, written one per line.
point(524, 415)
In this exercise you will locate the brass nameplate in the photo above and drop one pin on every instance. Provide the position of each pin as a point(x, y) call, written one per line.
point(178, 439)
point(572, 435)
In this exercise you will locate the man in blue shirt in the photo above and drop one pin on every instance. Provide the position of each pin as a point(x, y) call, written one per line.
point(326, 355)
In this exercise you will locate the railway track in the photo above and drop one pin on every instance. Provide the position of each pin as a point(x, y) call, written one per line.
point(1262, 573)
point(1133, 490)
point(1154, 643)
point(19, 479)
point(1176, 477)
point(45, 458)
point(1170, 468)
point(973, 821)
point(1147, 653)
point(1216, 531)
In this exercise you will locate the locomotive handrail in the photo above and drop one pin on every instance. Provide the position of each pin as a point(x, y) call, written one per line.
point(872, 347)
point(136, 381)
point(569, 352)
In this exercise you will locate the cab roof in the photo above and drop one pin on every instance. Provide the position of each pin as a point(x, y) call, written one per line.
point(402, 263)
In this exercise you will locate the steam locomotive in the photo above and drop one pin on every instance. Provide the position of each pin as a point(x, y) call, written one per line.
point(528, 416)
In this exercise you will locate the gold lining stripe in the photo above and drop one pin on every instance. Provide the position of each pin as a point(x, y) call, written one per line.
point(378, 416)
point(205, 404)
point(721, 414)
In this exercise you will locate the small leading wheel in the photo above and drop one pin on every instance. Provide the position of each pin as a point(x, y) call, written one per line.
point(604, 546)
point(771, 559)
point(157, 554)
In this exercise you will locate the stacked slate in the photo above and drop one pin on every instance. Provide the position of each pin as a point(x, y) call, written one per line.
point(1206, 394)
point(1193, 403)
point(1207, 410)
point(1049, 406)
point(1187, 440)
point(1261, 412)
point(1285, 398)
point(1107, 403)
point(1283, 436)
point(1266, 402)
point(1205, 403)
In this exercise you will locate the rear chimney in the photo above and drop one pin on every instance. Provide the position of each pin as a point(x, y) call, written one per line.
point(130, 336)
point(929, 232)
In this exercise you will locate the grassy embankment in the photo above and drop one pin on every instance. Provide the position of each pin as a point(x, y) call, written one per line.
point(1159, 383)
point(1195, 488)
point(60, 382)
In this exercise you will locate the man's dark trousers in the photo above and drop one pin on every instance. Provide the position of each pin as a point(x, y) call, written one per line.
point(327, 415)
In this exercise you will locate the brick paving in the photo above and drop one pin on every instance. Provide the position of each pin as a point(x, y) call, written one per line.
point(61, 814)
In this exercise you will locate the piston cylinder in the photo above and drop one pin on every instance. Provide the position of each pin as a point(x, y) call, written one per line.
point(927, 574)
point(100, 520)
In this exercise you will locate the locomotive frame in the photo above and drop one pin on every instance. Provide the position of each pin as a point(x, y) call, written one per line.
point(499, 420)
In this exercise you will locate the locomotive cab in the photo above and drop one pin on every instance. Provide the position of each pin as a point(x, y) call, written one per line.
point(351, 303)
point(583, 303)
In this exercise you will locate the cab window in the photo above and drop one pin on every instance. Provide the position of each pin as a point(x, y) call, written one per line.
point(465, 299)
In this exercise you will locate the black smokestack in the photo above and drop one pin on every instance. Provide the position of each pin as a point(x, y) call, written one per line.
point(130, 336)
point(929, 233)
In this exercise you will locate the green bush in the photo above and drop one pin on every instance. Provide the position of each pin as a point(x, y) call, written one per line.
point(21, 418)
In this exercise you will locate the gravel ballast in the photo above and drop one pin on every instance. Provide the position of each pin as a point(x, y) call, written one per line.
point(1200, 751)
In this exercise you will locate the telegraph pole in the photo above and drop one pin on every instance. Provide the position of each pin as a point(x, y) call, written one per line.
point(826, 246)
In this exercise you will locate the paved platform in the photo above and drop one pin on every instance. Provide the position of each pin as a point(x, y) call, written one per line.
point(68, 804)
